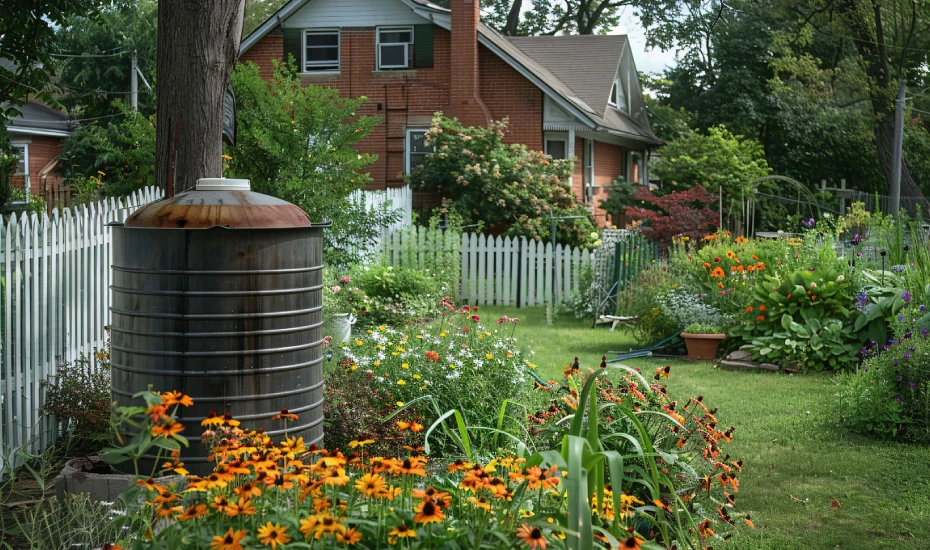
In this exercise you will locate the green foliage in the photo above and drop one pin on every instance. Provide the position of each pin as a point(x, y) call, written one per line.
point(583, 302)
point(430, 249)
point(138, 431)
point(546, 17)
point(397, 294)
point(507, 186)
point(620, 195)
point(32, 204)
point(94, 80)
point(642, 299)
point(27, 43)
point(78, 396)
point(890, 395)
point(8, 162)
point(111, 160)
point(702, 328)
point(296, 142)
point(344, 298)
point(718, 158)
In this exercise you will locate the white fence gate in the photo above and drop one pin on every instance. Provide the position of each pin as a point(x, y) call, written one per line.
point(55, 303)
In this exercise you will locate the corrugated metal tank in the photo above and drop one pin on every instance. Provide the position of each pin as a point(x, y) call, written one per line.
point(217, 293)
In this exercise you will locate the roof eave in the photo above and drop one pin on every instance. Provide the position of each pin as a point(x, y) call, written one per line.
point(270, 24)
point(628, 135)
point(37, 131)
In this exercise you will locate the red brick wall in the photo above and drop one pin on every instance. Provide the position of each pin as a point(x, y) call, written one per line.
point(578, 174)
point(608, 166)
point(42, 149)
point(408, 99)
point(509, 94)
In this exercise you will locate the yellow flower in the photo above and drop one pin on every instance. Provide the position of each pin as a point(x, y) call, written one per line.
point(405, 366)
point(273, 535)
point(353, 367)
point(400, 403)
point(416, 376)
point(401, 532)
point(442, 334)
point(419, 336)
point(401, 382)
point(358, 342)
point(489, 356)
point(227, 157)
point(381, 327)
point(377, 363)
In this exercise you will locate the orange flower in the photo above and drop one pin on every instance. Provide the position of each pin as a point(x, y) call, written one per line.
point(749, 309)
point(416, 427)
point(167, 431)
point(740, 240)
point(428, 512)
point(432, 355)
point(706, 265)
point(401, 425)
point(632, 543)
point(531, 536)
point(176, 398)
point(229, 541)
point(717, 272)
point(760, 318)
point(762, 307)
point(284, 415)
point(273, 534)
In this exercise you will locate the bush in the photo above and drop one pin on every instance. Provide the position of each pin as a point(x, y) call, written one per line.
point(583, 302)
point(685, 214)
point(78, 396)
point(397, 294)
point(455, 363)
point(889, 397)
point(641, 299)
point(8, 162)
point(506, 186)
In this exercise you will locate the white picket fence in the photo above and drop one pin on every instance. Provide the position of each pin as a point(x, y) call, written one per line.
point(55, 303)
point(493, 270)
point(399, 198)
point(518, 271)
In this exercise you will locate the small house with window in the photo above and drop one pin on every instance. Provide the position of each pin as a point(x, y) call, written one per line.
point(37, 133)
point(571, 96)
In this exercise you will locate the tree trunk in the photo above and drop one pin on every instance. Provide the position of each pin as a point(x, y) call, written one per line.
point(198, 44)
point(513, 18)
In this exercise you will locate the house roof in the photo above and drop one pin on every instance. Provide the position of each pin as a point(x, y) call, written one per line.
point(577, 72)
point(38, 119)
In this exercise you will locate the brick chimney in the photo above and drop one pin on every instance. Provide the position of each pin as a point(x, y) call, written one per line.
point(465, 100)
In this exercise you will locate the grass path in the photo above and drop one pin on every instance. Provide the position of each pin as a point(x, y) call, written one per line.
point(797, 457)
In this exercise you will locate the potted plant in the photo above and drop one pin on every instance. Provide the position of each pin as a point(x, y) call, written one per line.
point(702, 340)
point(340, 304)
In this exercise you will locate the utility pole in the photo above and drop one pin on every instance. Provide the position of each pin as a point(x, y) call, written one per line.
point(134, 84)
point(897, 153)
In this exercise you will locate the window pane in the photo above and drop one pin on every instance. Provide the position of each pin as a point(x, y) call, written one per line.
point(393, 56)
point(556, 149)
point(613, 94)
point(322, 54)
point(418, 143)
point(394, 37)
point(20, 151)
point(328, 39)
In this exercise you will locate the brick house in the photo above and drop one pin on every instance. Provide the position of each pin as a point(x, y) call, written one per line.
point(570, 96)
point(37, 133)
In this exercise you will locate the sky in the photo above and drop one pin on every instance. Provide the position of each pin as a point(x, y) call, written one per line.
point(647, 61)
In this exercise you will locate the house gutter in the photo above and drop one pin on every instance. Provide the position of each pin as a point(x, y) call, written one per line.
point(37, 131)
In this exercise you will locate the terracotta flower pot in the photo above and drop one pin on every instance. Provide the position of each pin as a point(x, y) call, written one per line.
point(702, 346)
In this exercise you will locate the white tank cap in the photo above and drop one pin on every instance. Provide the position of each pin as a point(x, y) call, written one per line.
point(222, 184)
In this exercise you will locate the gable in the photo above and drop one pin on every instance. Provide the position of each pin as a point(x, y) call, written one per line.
point(352, 13)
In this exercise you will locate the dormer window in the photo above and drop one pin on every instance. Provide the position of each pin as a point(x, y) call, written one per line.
point(617, 97)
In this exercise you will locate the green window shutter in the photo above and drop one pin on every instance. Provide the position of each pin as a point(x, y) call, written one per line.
point(423, 46)
point(293, 43)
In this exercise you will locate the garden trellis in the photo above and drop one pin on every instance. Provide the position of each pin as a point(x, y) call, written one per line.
point(55, 304)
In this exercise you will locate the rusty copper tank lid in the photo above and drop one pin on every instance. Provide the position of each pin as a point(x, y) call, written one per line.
point(219, 202)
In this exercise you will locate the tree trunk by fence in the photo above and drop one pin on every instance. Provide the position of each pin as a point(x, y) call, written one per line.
point(198, 44)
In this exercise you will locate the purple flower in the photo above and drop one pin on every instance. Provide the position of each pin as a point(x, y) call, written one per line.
point(808, 223)
point(856, 240)
point(900, 318)
point(923, 332)
point(906, 296)
point(911, 384)
point(894, 363)
point(897, 268)
point(811, 270)
point(922, 308)
point(862, 299)
point(907, 355)
point(858, 254)
point(898, 399)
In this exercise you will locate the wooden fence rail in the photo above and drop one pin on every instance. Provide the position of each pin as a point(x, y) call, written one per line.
point(54, 306)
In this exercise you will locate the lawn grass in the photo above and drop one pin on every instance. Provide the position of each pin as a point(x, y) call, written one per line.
point(797, 458)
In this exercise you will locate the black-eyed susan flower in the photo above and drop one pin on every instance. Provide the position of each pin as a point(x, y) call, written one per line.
point(631, 543)
point(401, 532)
point(273, 534)
point(351, 537)
point(228, 541)
point(370, 484)
point(172, 398)
point(428, 512)
point(532, 536)
point(284, 415)
point(195, 511)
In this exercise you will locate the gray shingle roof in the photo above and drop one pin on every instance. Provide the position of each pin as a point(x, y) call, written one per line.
point(36, 115)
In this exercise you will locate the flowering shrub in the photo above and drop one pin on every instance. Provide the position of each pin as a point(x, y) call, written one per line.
point(343, 298)
point(397, 294)
point(78, 397)
point(889, 396)
point(506, 186)
point(455, 363)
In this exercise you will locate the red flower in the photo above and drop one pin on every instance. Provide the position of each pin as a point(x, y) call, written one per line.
point(432, 355)
point(475, 318)
point(760, 318)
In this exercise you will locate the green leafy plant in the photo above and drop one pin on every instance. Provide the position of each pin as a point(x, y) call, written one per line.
point(702, 328)
point(514, 190)
point(815, 345)
point(78, 396)
point(397, 294)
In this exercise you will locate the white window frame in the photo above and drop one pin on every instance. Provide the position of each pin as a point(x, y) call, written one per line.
point(24, 145)
point(588, 169)
point(303, 51)
point(406, 45)
point(408, 149)
point(556, 137)
point(620, 103)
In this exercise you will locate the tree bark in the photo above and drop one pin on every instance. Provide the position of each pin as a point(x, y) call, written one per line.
point(513, 18)
point(198, 44)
